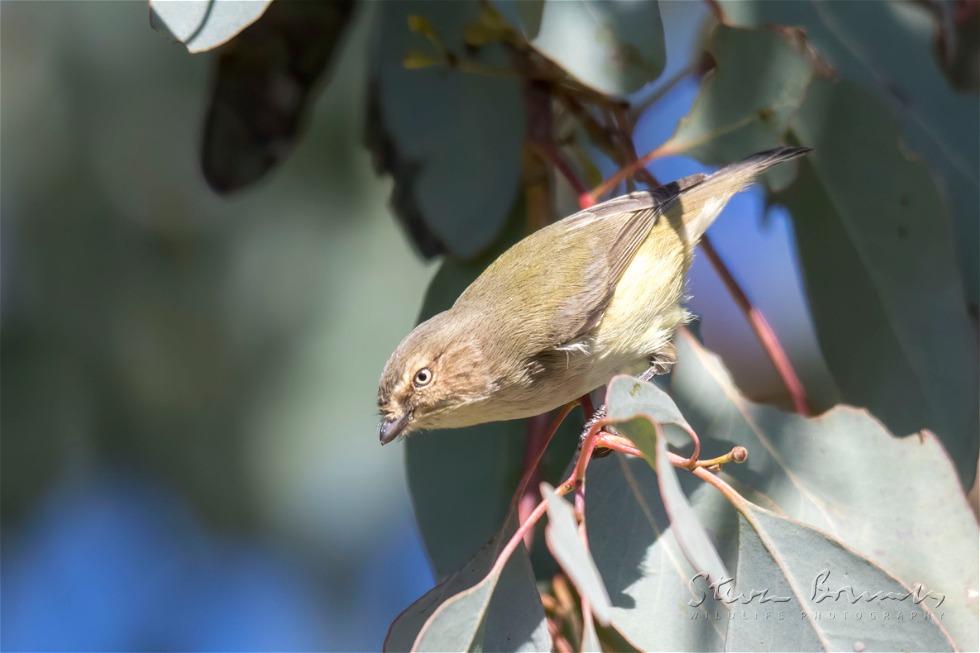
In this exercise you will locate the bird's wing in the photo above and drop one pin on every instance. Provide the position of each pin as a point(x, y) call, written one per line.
point(636, 213)
point(549, 302)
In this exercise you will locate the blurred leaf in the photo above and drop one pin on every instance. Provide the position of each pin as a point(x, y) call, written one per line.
point(641, 412)
point(205, 24)
point(957, 41)
point(566, 545)
point(880, 273)
point(887, 48)
point(871, 227)
point(797, 567)
point(462, 481)
point(524, 15)
point(451, 138)
point(480, 608)
point(894, 500)
point(264, 81)
point(612, 46)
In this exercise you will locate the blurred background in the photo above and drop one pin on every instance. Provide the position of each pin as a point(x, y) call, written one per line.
point(189, 432)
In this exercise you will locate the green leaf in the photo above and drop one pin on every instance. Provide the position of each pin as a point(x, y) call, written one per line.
point(880, 273)
point(895, 60)
point(786, 595)
point(205, 24)
point(479, 608)
point(872, 230)
point(264, 80)
point(450, 136)
point(641, 411)
point(565, 543)
point(896, 501)
point(612, 46)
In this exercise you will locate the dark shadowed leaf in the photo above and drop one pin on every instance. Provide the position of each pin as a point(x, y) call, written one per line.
point(642, 412)
point(565, 543)
point(205, 24)
point(887, 47)
point(887, 303)
point(844, 474)
point(263, 84)
point(451, 139)
point(612, 46)
point(480, 607)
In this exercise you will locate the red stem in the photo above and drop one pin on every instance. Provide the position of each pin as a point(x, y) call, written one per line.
point(625, 172)
point(537, 442)
point(763, 330)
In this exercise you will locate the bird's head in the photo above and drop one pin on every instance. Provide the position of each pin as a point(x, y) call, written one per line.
point(436, 369)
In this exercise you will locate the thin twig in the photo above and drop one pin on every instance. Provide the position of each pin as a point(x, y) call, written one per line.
point(628, 170)
point(534, 450)
point(763, 330)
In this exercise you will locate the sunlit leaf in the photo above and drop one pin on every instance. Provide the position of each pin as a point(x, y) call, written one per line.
point(641, 412)
point(205, 24)
point(653, 587)
point(566, 545)
point(793, 584)
point(896, 501)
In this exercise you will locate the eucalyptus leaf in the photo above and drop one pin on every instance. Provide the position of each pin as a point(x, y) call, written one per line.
point(482, 606)
point(738, 112)
point(641, 411)
point(660, 602)
point(887, 48)
point(794, 583)
point(896, 501)
point(565, 543)
point(906, 347)
point(611, 46)
point(872, 230)
point(450, 134)
point(202, 25)
point(523, 15)
point(264, 81)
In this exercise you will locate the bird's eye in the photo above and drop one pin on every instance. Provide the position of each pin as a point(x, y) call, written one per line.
point(422, 377)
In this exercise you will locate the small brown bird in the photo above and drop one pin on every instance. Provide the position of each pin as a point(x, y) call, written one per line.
point(563, 310)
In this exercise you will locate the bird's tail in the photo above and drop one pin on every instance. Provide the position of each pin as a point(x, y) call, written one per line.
point(704, 200)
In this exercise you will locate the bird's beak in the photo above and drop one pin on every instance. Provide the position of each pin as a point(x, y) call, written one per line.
point(391, 428)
